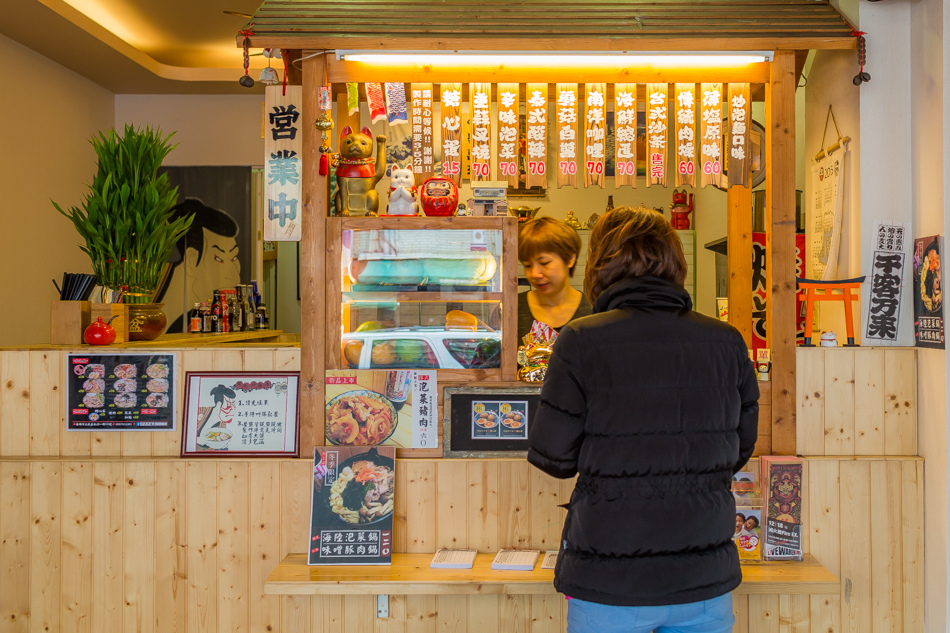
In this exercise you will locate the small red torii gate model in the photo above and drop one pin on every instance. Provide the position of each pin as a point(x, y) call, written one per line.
point(827, 288)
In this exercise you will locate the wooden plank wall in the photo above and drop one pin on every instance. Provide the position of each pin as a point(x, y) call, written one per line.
point(857, 401)
point(32, 403)
point(169, 545)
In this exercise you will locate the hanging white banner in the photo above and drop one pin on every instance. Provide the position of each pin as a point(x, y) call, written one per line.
point(827, 205)
point(283, 153)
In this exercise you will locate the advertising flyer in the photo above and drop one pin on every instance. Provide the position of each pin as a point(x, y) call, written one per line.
point(392, 408)
point(120, 392)
point(499, 420)
point(351, 513)
point(928, 293)
point(240, 413)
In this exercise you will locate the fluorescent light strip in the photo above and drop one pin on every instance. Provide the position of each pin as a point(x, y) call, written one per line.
point(580, 59)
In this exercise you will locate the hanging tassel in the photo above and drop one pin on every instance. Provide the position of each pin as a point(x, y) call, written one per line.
point(862, 76)
point(324, 164)
point(246, 80)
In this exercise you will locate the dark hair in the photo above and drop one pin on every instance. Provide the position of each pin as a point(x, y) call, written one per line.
point(547, 235)
point(215, 220)
point(741, 516)
point(753, 518)
point(630, 242)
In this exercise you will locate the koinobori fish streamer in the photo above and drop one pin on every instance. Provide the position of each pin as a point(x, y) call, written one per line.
point(353, 97)
point(375, 102)
point(396, 103)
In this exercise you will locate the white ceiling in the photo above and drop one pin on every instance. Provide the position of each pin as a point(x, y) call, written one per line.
point(140, 46)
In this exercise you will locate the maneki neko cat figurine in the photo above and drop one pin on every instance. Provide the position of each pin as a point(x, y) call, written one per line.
point(680, 210)
point(402, 192)
point(358, 173)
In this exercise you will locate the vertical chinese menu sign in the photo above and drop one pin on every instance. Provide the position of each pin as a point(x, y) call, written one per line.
point(351, 512)
point(657, 133)
point(625, 132)
point(480, 94)
point(536, 133)
point(884, 296)
point(685, 103)
point(509, 98)
point(566, 128)
point(451, 98)
point(283, 149)
point(421, 131)
point(740, 145)
point(595, 133)
point(710, 142)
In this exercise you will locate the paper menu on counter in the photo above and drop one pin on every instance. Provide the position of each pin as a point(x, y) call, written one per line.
point(515, 559)
point(549, 560)
point(453, 559)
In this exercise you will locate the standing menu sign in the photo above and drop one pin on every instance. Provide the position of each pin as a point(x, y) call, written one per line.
point(120, 392)
point(351, 513)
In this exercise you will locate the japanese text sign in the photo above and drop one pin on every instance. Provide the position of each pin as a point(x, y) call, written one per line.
point(885, 296)
point(625, 135)
point(509, 96)
point(451, 98)
point(422, 116)
point(566, 130)
point(657, 133)
point(283, 152)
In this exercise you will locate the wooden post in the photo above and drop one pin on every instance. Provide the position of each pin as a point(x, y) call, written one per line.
point(312, 266)
point(780, 245)
point(739, 248)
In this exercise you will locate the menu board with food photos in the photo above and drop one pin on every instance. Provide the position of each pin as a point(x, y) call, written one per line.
point(120, 392)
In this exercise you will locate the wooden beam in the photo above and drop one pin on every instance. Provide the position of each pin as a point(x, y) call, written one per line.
point(739, 249)
point(548, 44)
point(312, 266)
point(780, 246)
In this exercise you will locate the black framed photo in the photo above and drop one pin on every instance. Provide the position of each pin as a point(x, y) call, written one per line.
point(488, 421)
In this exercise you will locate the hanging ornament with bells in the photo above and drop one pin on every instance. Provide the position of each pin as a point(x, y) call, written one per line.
point(862, 76)
point(325, 124)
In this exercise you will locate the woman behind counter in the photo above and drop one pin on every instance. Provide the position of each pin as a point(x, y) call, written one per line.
point(548, 250)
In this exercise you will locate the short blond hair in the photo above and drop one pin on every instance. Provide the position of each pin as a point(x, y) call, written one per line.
point(547, 235)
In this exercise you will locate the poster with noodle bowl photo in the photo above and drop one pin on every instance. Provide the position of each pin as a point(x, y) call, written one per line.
point(351, 513)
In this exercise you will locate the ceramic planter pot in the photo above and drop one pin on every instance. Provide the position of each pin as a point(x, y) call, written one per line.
point(146, 321)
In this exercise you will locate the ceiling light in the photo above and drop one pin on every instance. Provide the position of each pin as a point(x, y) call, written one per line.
point(586, 59)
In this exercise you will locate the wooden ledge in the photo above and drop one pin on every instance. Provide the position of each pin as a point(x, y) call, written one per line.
point(410, 574)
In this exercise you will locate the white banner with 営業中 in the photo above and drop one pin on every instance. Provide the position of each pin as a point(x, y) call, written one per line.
point(283, 152)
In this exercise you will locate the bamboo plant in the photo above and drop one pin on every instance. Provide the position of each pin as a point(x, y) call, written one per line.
point(126, 218)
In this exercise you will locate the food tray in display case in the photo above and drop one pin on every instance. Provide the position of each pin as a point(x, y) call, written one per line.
point(420, 293)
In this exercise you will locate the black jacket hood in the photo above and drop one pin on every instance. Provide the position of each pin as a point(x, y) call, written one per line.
point(644, 293)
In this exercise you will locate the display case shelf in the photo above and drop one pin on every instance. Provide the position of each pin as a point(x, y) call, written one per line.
point(410, 574)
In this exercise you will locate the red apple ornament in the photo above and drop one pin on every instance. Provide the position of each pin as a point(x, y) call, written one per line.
point(99, 333)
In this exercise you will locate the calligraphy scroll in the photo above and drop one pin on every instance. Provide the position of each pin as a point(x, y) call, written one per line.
point(509, 98)
point(710, 132)
point(625, 135)
point(536, 133)
point(657, 133)
point(422, 116)
point(595, 133)
point(884, 294)
point(480, 95)
point(451, 98)
point(740, 144)
point(566, 107)
point(283, 150)
point(685, 145)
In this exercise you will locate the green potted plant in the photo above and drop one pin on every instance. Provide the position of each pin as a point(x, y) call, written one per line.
point(126, 222)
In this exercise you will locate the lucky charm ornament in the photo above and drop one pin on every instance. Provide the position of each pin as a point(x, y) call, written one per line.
point(534, 354)
point(680, 209)
point(356, 176)
point(439, 197)
point(402, 192)
point(324, 124)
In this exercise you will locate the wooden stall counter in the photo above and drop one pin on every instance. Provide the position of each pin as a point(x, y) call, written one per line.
point(410, 574)
point(187, 340)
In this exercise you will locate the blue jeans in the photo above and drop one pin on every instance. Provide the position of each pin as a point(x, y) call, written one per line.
point(708, 616)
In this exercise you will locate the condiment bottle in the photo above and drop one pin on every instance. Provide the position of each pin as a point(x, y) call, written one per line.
point(207, 325)
point(195, 325)
point(217, 322)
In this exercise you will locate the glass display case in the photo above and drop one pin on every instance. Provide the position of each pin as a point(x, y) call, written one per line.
point(422, 293)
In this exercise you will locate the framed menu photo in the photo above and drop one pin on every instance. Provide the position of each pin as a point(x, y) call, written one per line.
point(488, 421)
point(242, 414)
point(120, 392)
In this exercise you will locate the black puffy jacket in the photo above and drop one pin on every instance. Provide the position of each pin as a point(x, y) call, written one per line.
point(655, 407)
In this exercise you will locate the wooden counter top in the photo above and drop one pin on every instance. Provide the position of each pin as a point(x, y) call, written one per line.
point(410, 574)
point(179, 340)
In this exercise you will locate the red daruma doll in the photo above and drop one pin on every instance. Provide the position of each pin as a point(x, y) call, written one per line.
point(439, 197)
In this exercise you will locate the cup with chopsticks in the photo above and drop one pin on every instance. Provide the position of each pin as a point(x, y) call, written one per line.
point(75, 286)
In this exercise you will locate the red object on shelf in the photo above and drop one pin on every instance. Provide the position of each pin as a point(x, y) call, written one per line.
point(439, 197)
point(99, 333)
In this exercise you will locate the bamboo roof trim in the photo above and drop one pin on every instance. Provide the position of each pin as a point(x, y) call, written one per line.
point(561, 24)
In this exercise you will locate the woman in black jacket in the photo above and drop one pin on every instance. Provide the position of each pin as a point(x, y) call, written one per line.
point(654, 407)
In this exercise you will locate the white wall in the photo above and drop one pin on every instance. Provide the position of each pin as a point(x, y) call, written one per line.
point(47, 115)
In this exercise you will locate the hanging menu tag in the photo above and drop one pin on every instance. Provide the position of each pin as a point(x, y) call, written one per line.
point(710, 142)
point(480, 94)
point(625, 135)
point(566, 135)
point(509, 97)
point(740, 120)
point(657, 133)
point(595, 134)
point(536, 131)
point(685, 101)
point(451, 98)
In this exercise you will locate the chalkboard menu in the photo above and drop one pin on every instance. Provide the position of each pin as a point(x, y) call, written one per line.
point(120, 392)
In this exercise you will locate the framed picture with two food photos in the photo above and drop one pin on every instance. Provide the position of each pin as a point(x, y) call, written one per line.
point(241, 414)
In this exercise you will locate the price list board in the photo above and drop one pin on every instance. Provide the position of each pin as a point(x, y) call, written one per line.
point(120, 392)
